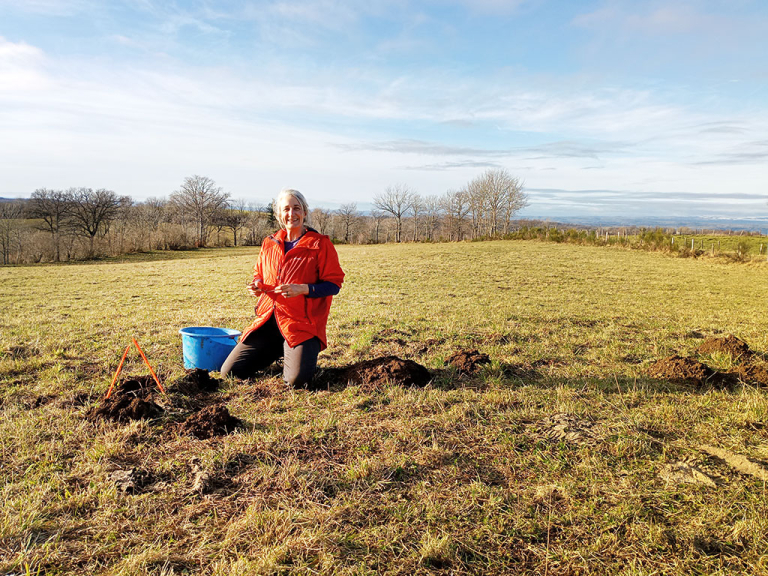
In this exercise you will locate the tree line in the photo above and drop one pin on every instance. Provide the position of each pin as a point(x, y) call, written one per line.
point(85, 223)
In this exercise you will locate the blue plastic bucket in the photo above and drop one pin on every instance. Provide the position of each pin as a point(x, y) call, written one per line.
point(206, 347)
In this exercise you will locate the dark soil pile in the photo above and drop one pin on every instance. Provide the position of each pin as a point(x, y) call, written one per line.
point(682, 370)
point(209, 422)
point(392, 369)
point(753, 374)
point(131, 400)
point(195, 382)
point(374, 373)
point(468, 361)
point(729, 345)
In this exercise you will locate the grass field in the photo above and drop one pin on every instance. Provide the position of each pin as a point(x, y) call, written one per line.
point(553, 459)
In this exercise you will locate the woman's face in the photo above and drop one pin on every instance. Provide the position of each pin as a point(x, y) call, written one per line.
point(292, 213)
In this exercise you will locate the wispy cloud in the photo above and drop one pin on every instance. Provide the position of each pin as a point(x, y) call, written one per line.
point(454, 165)
point(747, 153)
point(406, 146)
point(565, 202)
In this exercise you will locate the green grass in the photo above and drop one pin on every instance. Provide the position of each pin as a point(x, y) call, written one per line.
point(462, 477)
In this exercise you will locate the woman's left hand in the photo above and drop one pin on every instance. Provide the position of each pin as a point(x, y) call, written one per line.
point(291, 290)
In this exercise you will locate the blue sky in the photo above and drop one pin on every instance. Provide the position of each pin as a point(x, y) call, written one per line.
point(604, 107)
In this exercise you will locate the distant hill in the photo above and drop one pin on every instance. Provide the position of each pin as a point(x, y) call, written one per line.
point(696, 222)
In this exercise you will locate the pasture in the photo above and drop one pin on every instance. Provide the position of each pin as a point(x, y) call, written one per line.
point(560, 456)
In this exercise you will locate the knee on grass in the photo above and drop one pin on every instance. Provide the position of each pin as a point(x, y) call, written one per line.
point(298, 379)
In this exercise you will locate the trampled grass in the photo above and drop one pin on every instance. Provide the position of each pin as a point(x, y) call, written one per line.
point(551, 460)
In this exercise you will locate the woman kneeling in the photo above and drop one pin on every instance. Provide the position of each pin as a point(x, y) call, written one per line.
point(295, 278)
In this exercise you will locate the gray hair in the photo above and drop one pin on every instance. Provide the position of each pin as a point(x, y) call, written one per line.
point(286, 193)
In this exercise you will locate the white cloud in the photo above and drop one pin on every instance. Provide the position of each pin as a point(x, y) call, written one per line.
point(20, 67)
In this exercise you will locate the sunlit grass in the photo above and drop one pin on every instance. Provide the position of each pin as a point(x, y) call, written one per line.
point(454, 478)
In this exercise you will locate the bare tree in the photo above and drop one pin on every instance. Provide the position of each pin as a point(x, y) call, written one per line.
point(397, 201)
point(199, 198)
point(257, 223)
point(476, 205)
point(432, 212)
point(515, 200)
point(236, 217)
point(417, 207)
point(52, 207)
point(11, 220)
point(348, 217)
point(91, 212)
point(456, 205)
point(494, 195)
point(321, 220)
point(377, 216)
point(149, 215)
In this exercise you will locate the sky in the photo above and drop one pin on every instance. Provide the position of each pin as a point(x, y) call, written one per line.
point(601, 107)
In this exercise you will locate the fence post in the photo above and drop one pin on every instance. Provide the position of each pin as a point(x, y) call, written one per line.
point(692, 241)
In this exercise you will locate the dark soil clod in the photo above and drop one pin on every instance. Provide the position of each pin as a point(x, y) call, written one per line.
point(736, 347)
point(753, 374)
point(468, 361)
point(211, 421)
point(131, 481)
point(196, 382)
point(375, 373)
point(130, 400)
point(124, 408)
point(686, 371)
point(378, 371)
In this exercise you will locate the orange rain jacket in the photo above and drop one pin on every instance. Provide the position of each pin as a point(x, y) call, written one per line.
point(313, 259)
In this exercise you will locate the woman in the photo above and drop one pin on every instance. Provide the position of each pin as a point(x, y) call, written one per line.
point(295, 278)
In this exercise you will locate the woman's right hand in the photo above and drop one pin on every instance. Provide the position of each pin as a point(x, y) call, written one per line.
point(255, 288)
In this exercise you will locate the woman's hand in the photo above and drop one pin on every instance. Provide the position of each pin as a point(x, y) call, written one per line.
point(291, 290)
point(255, 288)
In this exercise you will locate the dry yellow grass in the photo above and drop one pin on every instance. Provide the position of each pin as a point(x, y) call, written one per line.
point(548, 459)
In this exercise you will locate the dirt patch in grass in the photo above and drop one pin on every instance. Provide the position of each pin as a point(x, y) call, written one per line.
point(392, 336)
point(568, 428)
point(130, 400)
point(736, 347)
point(194, 383)
point(681, 370)
point(375, 373)
point(209, 422)
point(392, 369)
point(682, 472)
point(42, 400)
point(22, 351)
point(76, 400)
point(132, 481)
point(753, 374)
point(468, 361)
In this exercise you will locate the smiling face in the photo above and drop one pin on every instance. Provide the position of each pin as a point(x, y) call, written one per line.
point(292, 213)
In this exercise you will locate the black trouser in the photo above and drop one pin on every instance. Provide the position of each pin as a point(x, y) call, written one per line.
point(265, 345)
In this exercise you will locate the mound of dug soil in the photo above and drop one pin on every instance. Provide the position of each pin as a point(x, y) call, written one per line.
point(468, 361)
point(375, 373)
point(729, 345)
point(130, 400)
point(392, 369)
point(679, 369)
point(753, 374)
point(195, 382)
point(209, 422)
